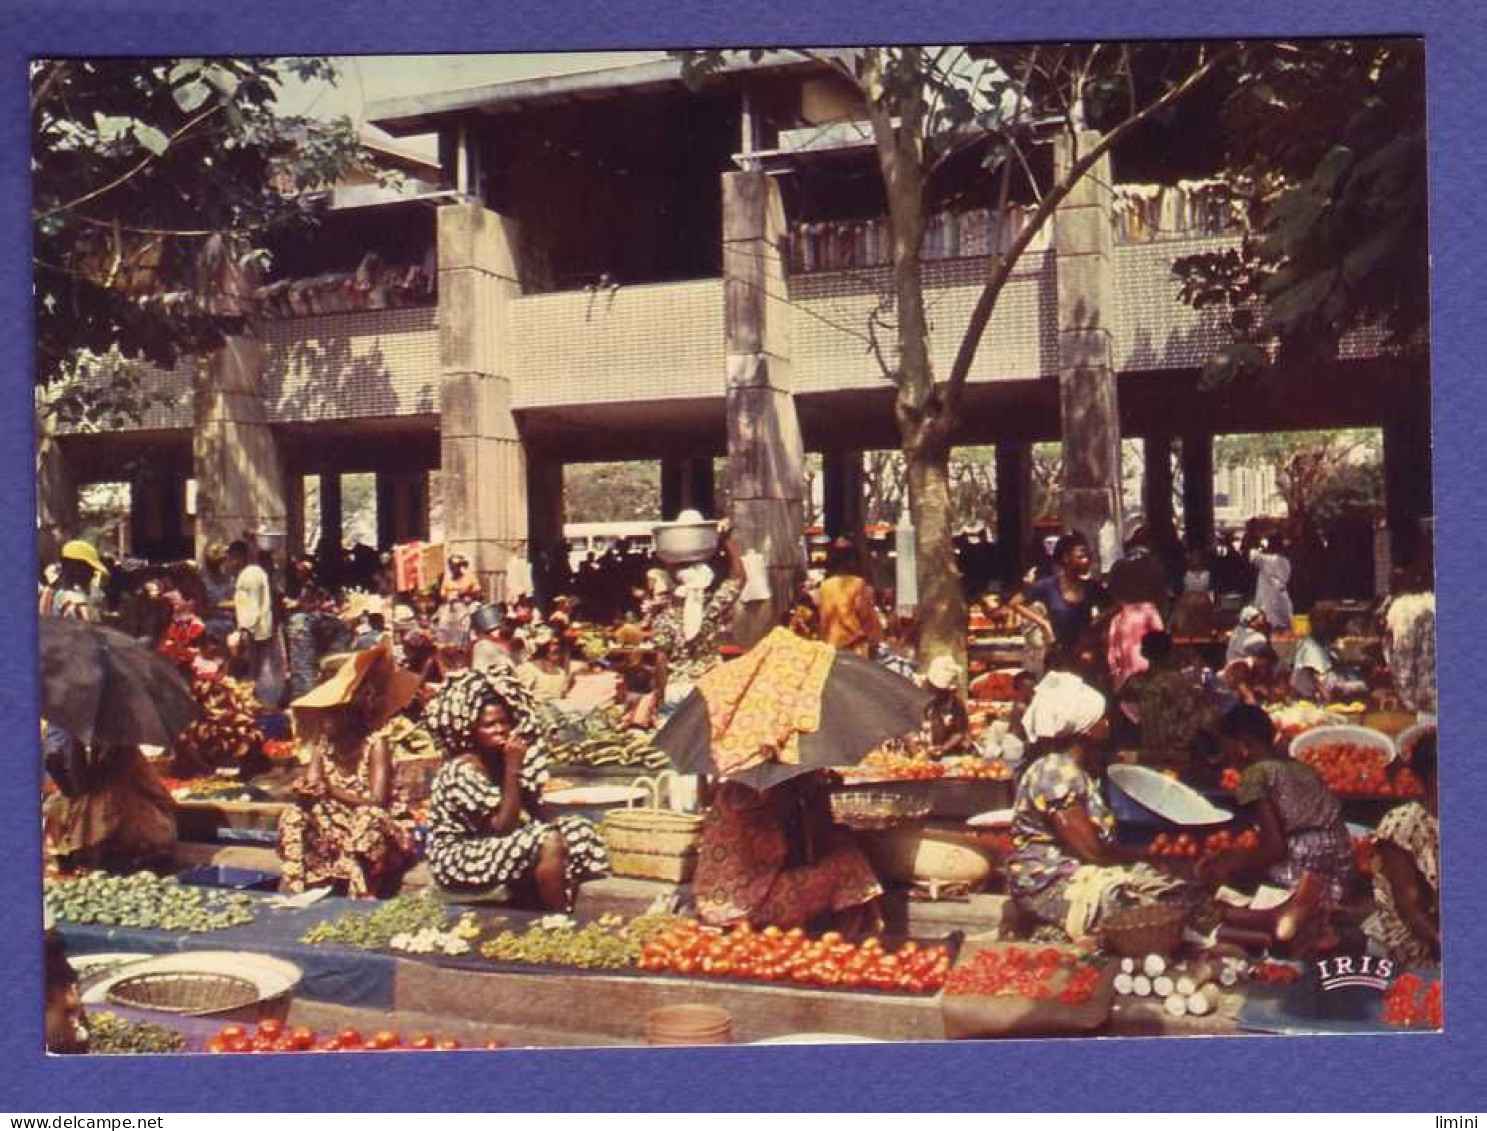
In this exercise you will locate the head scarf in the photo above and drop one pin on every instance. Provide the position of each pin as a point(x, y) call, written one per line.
point(693, 593)
point(1063, 706)
point(943, 672)
point(1247, 614)
point(452, 713)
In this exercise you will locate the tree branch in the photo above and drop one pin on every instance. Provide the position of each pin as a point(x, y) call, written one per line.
point(123, 177)
point(986, 303)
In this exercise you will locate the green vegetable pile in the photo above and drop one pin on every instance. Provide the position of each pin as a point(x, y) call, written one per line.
point(608, 943)
point(146, 900)
point(605, 742)
point(405, 915)
point(108, 1033)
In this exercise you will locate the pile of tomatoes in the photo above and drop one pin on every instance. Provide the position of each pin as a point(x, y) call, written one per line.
point(775, 955)
point(274, 1036)
point(1412, 1001)
point(1186, 845)
point(1274, 974)
point(1048, 974)
point(1351, 770)
point(884, 765)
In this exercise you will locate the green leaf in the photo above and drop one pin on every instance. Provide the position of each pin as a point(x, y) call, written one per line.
point(190, 96)
point(151, 138)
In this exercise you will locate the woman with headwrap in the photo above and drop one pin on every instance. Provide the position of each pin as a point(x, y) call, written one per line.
point(686, 632)
point(1251, 635)
point(487, 827)
point(1066, 867)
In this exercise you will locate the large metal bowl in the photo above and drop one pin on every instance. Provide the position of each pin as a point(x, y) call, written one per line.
point(691, 538)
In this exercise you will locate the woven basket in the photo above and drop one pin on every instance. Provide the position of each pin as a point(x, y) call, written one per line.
point(187, 992)
point(1155, 928)
point(651, 829)
point(676, 869)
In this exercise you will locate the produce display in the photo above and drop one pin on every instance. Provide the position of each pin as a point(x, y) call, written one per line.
point(146, 900)
point(606, 742)
point(1185, 989)
point(1291, 719)
point(893, 765)
point(1274, 974)
point(1352, 770)
point(275, 1036)
point(775, 955)
point(1037, 974)
point(1186, 845)
point(996, 685)
point(608, 943)
point(455, 940)
point(112, 1035)
point(1414, 1002)
point(218, 787)
point(225, 734)
point(405, 915)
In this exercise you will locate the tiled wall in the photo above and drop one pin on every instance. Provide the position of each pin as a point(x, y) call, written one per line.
point(832, 308)
point(1153, 330)
point(632, 343)
point(369, 363)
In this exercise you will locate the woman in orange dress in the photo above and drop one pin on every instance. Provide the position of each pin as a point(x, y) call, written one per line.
point(848, 612)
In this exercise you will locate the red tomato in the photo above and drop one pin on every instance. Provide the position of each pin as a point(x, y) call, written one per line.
point(447, 1043)
point(217, 1044)
point(384, 1039)
point(232, 1032)
point(269, 1027)
point(421, 1041)
point(349, 1038)
point(303, 1038)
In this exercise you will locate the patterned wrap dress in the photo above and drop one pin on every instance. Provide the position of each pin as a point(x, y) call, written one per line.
point(1412, 829)
point(323, 841)
point(463, 853)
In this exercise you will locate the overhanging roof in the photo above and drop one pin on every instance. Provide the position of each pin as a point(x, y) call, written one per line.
point(423, 113)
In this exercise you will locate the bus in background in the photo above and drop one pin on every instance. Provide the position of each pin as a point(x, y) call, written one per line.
point(585, 538)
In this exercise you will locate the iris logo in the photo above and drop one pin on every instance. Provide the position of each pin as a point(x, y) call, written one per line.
point(1339, 973)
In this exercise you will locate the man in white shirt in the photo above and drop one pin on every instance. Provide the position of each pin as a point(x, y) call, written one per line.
point(253, 606)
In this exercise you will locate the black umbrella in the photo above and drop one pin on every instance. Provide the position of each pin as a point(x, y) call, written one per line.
point(100, 685)
point(862, 706)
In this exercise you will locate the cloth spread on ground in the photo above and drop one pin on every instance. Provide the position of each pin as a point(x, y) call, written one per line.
point(760, 704)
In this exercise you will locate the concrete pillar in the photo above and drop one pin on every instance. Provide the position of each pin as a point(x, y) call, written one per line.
point(1156, 483)
point(402, 507)
point(766, 455)
point(687, 484)
point(1197, 488)
point(239, 473)
point(330, 509)
point(841, 493)
point(294, 508)
point(1014, 505)
point(1083, 239)
point(482, 462)
point(545, 517)
point(1407, 471)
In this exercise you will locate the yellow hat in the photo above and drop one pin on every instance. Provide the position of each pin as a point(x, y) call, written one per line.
point(80, 551)
point(398, 684)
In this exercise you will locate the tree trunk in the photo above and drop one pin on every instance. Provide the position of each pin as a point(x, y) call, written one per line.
point(942, 607)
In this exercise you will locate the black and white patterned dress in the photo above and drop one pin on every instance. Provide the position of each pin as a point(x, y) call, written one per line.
point(464, 855)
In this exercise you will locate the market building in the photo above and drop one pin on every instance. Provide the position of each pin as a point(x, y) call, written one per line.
point(608, 266)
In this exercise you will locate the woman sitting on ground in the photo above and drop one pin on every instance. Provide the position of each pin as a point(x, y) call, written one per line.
point(348, 825)
point(487, 825)
point(1303, 845)
point(1406, 871)
point(111, 810)
point(545, 675)
point(1066, 868)
point(774, 858)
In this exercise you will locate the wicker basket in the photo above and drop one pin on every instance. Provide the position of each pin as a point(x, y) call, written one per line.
point(188, 992)
point(877, 811)
point(652, 842)
point(653, 866)
point(1155, 928)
